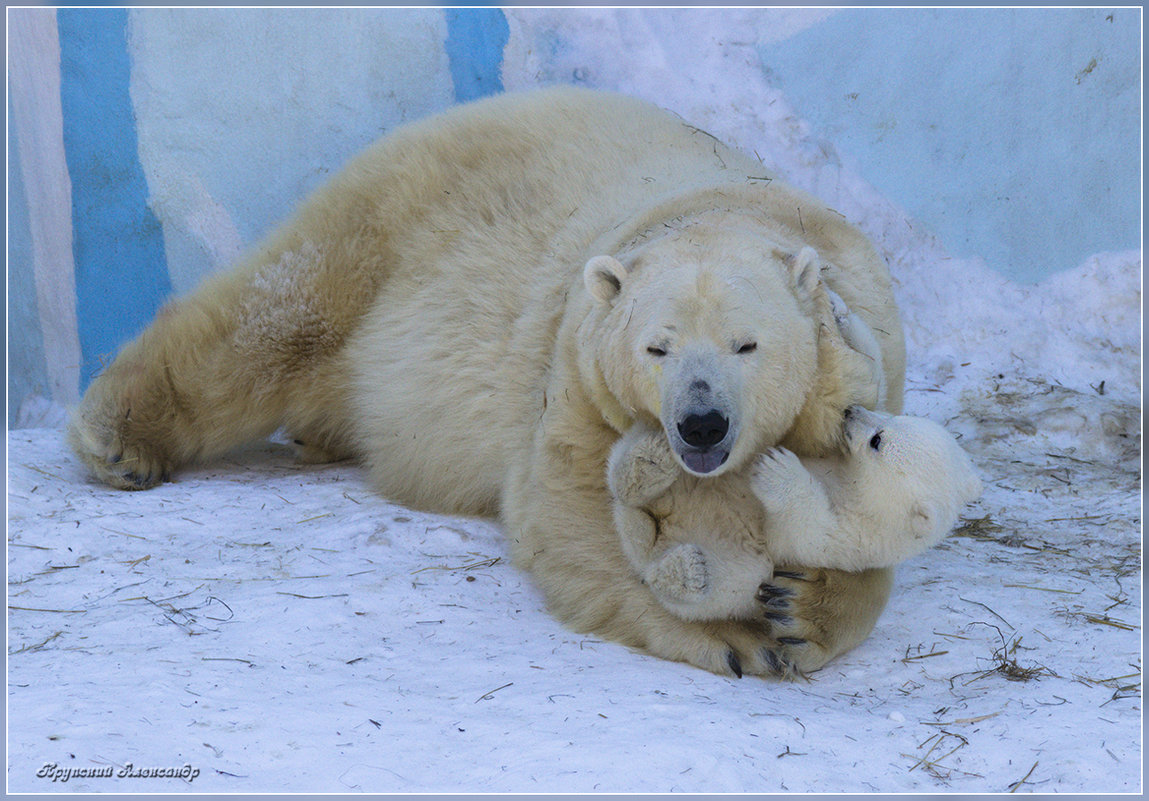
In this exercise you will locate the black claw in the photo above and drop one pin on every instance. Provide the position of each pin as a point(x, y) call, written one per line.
point(780, 666)
point(790, 574)
point(778, 604)
point(791, 641)
point(768, 593)
point(138, 480)
point(772, 661)
point(780, 618)
point(735, 665)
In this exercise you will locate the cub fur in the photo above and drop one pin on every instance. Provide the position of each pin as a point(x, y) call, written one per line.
point(707, 549)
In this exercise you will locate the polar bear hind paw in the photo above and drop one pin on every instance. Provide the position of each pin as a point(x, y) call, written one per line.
point(312, 453)
point(681, 575)
point(112, 457)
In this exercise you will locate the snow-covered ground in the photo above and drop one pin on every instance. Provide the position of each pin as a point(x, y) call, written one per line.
point(276, 627)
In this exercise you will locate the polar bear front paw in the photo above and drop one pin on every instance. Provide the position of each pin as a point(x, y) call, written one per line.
point(102, 434)
point(776, 476)
point(815, 614)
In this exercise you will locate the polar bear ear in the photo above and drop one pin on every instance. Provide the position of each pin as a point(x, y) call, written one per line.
point(805, 269)
point(924, 522)
point(603, 276)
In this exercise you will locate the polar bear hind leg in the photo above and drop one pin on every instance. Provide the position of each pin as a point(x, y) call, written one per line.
point(250, 351)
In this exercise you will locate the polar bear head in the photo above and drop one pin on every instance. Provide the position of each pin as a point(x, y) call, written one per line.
point(710, 333)
point(907, 466)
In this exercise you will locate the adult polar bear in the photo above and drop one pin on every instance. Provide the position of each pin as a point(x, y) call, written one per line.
point(429, 312)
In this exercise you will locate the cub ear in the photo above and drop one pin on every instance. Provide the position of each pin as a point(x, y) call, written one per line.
point(805, 269)
point(603, 276)
point(924, 523)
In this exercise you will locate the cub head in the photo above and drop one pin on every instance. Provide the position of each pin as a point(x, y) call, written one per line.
point(708, 332)
point(909, 466)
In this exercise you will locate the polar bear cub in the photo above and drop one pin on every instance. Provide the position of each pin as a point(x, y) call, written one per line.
point(896, 491)
point(705, 546)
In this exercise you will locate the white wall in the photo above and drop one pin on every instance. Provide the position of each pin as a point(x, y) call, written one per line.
point(242, 112)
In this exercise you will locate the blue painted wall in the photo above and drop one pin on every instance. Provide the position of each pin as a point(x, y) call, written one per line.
point(242, 112)
point(475, 41)
point(118, 246)
point(1013, 133)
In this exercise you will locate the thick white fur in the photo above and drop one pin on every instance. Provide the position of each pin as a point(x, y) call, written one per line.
point(430, 312)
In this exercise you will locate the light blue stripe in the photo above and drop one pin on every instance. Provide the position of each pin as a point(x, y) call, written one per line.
point(27, 366)
point(121, 269)
point(475, 41)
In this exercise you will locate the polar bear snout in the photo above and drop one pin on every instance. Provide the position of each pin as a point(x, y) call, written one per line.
point(859, 424)
point(704, 430)
point(703, 440)
point(700, 413)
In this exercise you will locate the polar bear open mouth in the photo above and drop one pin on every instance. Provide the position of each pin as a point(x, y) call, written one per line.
point(704, 461)
point(703, 440)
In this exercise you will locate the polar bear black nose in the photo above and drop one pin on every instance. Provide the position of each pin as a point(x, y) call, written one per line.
point(704, 430)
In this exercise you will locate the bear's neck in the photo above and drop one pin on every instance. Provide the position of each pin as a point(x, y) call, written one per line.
point(732, 202)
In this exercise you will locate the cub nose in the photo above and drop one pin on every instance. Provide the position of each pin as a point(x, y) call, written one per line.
point(704, 430)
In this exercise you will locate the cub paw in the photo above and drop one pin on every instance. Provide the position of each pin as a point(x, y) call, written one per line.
point(774, 476)
point(680, 575)
point(641, 466)
point(839, 309)
point(653, 461)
